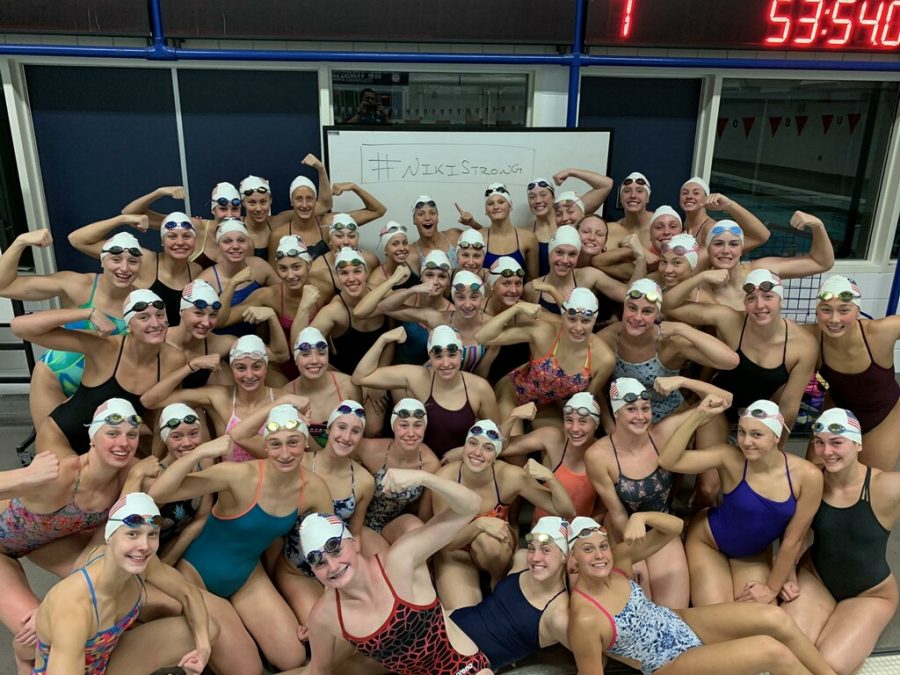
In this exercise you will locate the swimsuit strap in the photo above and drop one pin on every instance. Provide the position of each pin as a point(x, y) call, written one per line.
point(387, 452)
point(206, 346)
point(344, 303)
point(157, 266)
point(865, 495)
point(233, 400)
point(190, 278)
point(487, 241)
point(259, 484)
point(562, 458)
point(555, 344)
point(787, 470)
point(282, 299)
point(465, 388)
point(387, 581)
point(559, 593)
point(865, 341)
point(516, 232)
point(337, 386)
point(94, 290)
point(352, 480)
point(431, 391)
point(496, 485)
point(616, 455)
point(119, 356)
point(90, 585)
point(744, 475)
point(271, 395)
point(612, 622)
point(216, 273)
point(743, 328)
point(784, 351)
point(655, 449)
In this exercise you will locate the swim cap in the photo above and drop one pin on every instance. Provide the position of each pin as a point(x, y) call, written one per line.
point(835, 285)
point(767, 412)
point(666, 210)
point(583, 399)
point(311, 336)
point(410, 406)
point(761, 276)
point(635, 175)
point(292, 246)
point(554, 527)
point(254, 183)
point(487, 429)
point(388, 232)
point(112, 407)
point(248, 345)
point(132, 504)
point(436, 259)
point(840, 422)
point(722, 227)
point(182, 222)
point(349, 256)
point(344, 220)
point(443, 336)
point(284, 417)
point(198, 290)
point(224, 191)
point(135, 297)
point(502, 264)
point(346, 407)
point(581, 299)
point(124, 239)
point(620, 389)
point(699, 181)
point(498, 189)
point(569, 196)
point(468, 279)
point(317, 528)
point(302, 181)
point(688, 243)
point(423, 200)
point(175, 411)
point(566, 235)
point(230, 225)
point(579, 524)
point(646, 288)
point(535, 183)
point(469, 237)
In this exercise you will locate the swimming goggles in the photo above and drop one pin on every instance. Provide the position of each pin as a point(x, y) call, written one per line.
point(631, 397)
point(481, 431)
point(224, 201)
point(833, 428)
point(288, 425)
point(307, 347)
point(117, 418)
point(344, 226)
point(135, 520)
point(507, 273)
point(177, 421)
point(467, 287)
point(678, 250)
point(262, 189)
point(119, 250)
point(174, 225)
point(422, 205)
point(719, 229)
point(539, 538)
point(843, 296)
point(353, 262)
point(765, 287)
point(760, 414)
point(200, 303)
point(345, 409)
point(451, 349)
point(477, 245)
point(540, 183)
point(586, 313)
point(256, 356)
point(652, 296)
point(404, 414)
point(143, 305)
point(581, 410)
point(290, 253)
point(431, 265)
point(497, 190)
point(332, 547)
point(639, 181)
point(587, 532)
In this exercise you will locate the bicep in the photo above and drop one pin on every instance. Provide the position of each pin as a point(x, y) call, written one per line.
point(390, 377)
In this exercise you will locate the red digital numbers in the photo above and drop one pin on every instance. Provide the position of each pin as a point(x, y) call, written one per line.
point(626, 18)
point(833, 23)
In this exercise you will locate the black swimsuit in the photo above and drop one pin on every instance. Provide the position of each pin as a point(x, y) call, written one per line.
point(170, 296)
point(199, 377)
point(320, 248)
point(350, 347)
point(74, 415)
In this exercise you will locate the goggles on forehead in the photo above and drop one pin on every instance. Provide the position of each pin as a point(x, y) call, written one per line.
point(638, 181)
point(501, 190)
point(353, 262)
point(403, 413)
point(586, 313)
point(451, 349)
point(720, 229)
point(337, 227)
point(765, 287)
point(507, 273)
point(134, 521)
point(566, 203)
point(177, 421)
point(843, 296)
point(143, 305)
point(467, 287)
point(580, 410)
point(422, 205)
point(678, 250)
point(307, 347)
point(631, 396)
point(481, 431)
point(332, 547)
point(539, 538)
point(393, 229)
point(117, 418)
point(477, 245)
point(431, 265)
point(224, 201)
point(345, 409)
point(759, 413)
point(652, 296)
point(288, 425)
point(174, 225)
point(200, 303)
point(541, 184)
point(290, 253)
point(833, 428)
point(587, 532)
point(262, 189)
point(256, 356)
point(119, 250)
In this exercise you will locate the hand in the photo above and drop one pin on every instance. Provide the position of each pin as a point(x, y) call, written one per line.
point(454, 455)
point(44, 468)
point(526, 411)
point(312, 161)
point(258, 314)
point(560, 176)
point(205, 362)
point(303, 633)
point(790, 591)
point(666, 385)
point(668, 329)
point(213, 449)
point(197, 222)
point(245, 276)
point(310, 295)
point(340, 188)
point(139, 221)
point(635, 529)
point(174, 191)
point(538, 471)
point(195, 662)
point(528, 309)
point(397, 335)
point(541, 286)
point(465, 218)
point(634, 243)
point(494, 527)
point(399, 480)
point(712, 405)
point(401, 274)
point(651, 258)
point(104, 325)
point(301, 404)
point(717, 202)
point(146, 468)
point(377, 399)
point(755, 591)
point(800, 221)
point(39, 238)
point(716, 277)
point(27, 635)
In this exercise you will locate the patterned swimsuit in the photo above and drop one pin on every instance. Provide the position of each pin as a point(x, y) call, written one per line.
point(385, 506)
point(544, 381)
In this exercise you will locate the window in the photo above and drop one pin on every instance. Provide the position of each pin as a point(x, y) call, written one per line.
point(813, 145)
point(471, 99)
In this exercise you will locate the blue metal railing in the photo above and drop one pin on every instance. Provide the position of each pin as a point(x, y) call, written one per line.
point(159, 50)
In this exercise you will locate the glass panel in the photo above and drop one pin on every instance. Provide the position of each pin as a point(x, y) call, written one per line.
point(817, 146)
point(470, 99)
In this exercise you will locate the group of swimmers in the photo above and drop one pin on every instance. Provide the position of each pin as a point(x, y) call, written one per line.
point(264, 444)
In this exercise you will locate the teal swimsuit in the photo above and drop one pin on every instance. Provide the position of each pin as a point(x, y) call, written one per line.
point(69, 366)
point(228, 548)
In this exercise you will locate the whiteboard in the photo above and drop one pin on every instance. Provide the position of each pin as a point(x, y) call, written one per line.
point(397, 165)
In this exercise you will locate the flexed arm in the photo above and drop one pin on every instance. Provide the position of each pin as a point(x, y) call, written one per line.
point(90, 238)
